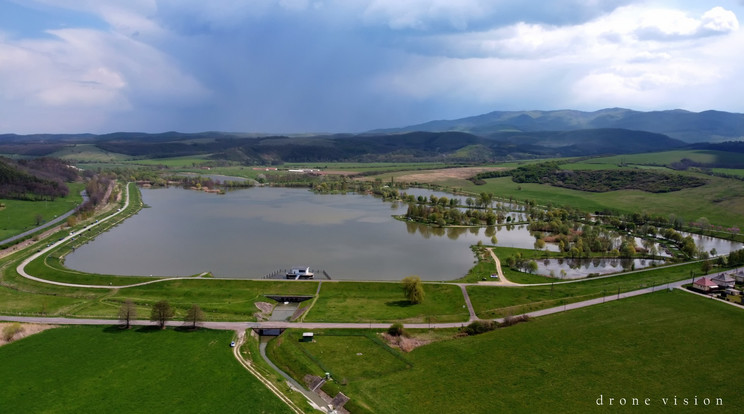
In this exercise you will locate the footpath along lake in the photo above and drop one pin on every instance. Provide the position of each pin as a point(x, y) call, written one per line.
point(253, 232)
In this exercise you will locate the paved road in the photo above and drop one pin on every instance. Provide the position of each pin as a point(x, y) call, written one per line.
point(463, 287)
point(45, 225)
point(242, 326)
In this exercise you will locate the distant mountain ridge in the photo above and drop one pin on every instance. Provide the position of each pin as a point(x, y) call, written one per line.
point(690, 127)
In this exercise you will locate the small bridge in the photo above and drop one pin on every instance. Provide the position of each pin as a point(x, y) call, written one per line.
point(289, 298)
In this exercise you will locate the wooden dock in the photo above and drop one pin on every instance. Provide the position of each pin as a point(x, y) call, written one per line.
point(281, 274)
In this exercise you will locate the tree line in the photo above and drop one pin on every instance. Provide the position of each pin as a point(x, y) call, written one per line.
point(36, 179)
point(160, 313)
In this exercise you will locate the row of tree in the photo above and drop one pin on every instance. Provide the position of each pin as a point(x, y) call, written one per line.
point(160, 313)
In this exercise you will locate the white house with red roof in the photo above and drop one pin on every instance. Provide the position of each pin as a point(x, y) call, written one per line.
point(704, 284)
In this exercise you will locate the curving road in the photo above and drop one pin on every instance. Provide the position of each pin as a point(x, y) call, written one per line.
point(22, 266)
point(47, 224)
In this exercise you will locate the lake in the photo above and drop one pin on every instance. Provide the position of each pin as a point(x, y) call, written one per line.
point(253, 232)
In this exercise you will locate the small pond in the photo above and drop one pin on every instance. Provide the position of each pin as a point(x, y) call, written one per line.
point(580, 268)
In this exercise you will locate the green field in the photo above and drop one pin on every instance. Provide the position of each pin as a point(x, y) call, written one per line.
point(654, 346)
point(221, 300)
point(348, 355)
point(661, 158)
point(367, 302)
point(105, 369)
point(18, 215)
point(729, 171)
point(88, 153)
point(494, 302)
point(721, 200)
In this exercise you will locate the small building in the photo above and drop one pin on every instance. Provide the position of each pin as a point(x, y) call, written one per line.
point(738, 276)
point(724, 281)
point(300, 273)
point(307, 337)
point(704, 284)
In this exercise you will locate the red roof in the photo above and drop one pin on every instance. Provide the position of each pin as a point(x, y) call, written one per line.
point(704, 281)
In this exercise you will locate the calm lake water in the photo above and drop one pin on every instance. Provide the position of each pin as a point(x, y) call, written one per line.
point(253, 232)
point(707, 243)
point(579, 268)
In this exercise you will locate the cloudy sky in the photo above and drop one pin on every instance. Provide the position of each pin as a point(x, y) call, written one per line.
point(286, 66)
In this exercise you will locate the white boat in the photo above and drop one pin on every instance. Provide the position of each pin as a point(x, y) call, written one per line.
point(300, 273)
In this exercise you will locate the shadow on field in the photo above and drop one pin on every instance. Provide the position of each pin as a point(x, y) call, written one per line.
point(112, 329)
point(400, 303)
point(134, 328)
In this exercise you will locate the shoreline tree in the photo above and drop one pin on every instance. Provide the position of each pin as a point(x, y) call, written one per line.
point(161, 312)
point(414, 289)
point(127, 312)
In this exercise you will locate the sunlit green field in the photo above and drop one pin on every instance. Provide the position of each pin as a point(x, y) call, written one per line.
point(105, 369)
point(721, 200)
point(87, 153)
point(654, 346)
point(18, 215)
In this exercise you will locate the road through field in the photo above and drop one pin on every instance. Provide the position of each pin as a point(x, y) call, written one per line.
point(242, 326)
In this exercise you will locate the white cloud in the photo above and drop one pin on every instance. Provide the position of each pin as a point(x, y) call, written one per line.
point(248, 64)
point(94, 74)
point(603, 62)
point(720, 20)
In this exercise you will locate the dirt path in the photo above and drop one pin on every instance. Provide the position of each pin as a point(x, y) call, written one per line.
point(441, 175)
point(248, 365)
point(503, 281)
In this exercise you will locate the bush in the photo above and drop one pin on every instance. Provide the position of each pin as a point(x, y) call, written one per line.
point(513, 320)
point(479, 327)
point(11, 330)
point(396, 329)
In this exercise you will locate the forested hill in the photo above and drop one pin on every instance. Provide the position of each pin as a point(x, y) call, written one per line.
point(412, 146)
point(707, 126)
point(35, 179)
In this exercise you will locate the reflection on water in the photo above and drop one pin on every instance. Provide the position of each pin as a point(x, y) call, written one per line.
point(580, 268)
point(714, 246)
point(253, 232)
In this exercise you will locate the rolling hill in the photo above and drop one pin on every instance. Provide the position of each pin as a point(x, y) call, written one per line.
point(707, 126)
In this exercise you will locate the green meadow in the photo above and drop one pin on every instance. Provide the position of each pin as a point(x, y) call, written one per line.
point(385, 302)
point(655, 346)
point(721, 200)
point(496, 302)
point(19, 215)
point(141, 370)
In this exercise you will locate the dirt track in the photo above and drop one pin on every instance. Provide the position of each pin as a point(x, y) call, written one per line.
point(438, 176)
